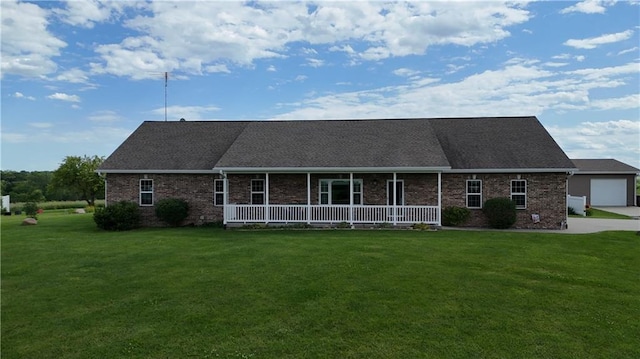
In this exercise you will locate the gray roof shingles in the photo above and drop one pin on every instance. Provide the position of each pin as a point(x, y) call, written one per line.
point(459, 143)
point(499, 143)
point(604, 165)
point(335, 143)
point(174, 146)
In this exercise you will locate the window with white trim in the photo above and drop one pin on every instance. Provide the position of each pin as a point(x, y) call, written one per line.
point(474, 193)
point(519, 193)
point(257, 191)
point(146, 192)
point(399, 192)
point(336, 191)
point(218, 192)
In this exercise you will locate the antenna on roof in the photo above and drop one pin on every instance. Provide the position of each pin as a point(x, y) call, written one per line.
point(166, 81)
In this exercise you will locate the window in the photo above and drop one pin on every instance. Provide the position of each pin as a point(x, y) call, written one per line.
point(399, 192)
point(336, 191)
point(218, 192)
point(474, 193)
point(146, 192)
point(257, 191)
point(519, 193)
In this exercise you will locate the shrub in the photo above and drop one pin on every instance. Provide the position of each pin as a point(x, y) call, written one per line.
point(120, 216)
point(343, 225)
point(500, 212)
point(455, 216)
point(172, 211)
point(421, 226)
point(31, 209)
point(588, 212)
point(572, 211)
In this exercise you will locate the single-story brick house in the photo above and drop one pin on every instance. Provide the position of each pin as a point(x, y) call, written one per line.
point(605, 182)
point(395, 171)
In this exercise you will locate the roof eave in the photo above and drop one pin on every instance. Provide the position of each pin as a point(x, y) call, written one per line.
point(331, 169)
point(512, 170)
point(164, 171)
point(578, 172)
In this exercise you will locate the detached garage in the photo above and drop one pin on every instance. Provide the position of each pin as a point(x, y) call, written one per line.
point(605, 182)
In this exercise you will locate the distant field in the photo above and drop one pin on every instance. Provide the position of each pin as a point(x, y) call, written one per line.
point(56, 205)
point(72, 291)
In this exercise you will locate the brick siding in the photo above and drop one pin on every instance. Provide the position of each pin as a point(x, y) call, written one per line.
point(546, 193)
point(546, 196)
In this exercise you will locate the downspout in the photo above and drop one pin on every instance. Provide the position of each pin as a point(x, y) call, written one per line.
point(440, 199)
point(266, 195)
point(308, 197)
point(225, 197)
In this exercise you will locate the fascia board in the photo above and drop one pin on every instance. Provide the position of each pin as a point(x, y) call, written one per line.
point(512, 170)
point(156, 171)
point(330, 169)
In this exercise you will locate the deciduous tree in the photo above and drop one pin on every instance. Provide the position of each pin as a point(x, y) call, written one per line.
point(79, 174)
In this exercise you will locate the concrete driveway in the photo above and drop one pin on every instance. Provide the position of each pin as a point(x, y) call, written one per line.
point(593, 225)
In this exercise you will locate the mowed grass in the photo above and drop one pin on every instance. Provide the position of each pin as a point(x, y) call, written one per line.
point(72, 291)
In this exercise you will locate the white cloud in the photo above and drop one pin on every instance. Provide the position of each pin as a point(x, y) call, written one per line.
point(633, 49)
point(617, 103)
point(11, 137)
point(74, 75)
point(241, 33)
point(601, 139)
point(87, 12)
point(105, 116)
point(300, 78)
point(217, 68)
point(587, 7)
point(555, 64)
point(27, 45)
point(271, 68)
point(189, 113)
point(64, 97)
point(315, 62)
point(404, 72)
point(21, 95)
point(41, 124)
point(592, 43)
point(521, 87)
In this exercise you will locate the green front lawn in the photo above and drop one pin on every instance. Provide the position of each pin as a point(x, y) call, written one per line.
point(598, 213)
point(72, 291)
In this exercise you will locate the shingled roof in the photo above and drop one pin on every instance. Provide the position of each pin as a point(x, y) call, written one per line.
point(604, 165)
point(506, 143)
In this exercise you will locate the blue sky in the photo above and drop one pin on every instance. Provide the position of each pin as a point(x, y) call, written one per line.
point(78, 77)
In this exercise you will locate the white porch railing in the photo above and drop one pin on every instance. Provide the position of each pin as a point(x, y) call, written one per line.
point(302, 213)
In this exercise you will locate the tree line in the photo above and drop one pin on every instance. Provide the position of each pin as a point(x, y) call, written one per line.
point(74, 180)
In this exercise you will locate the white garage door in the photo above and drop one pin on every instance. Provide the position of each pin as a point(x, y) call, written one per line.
point(609, 192)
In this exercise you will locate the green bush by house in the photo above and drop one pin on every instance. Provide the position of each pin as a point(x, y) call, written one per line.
point(455, 216)
point(500, 212)
point(172, 211)
point(120, 216)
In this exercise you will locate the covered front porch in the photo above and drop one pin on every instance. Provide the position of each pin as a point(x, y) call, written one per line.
point(331, 198)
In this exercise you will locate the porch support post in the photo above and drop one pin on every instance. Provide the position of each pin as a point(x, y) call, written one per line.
point(351, 198)
point(225, 198)
point(395, 204)
point(439, 199)
point(308, 197)
point(266, 197)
